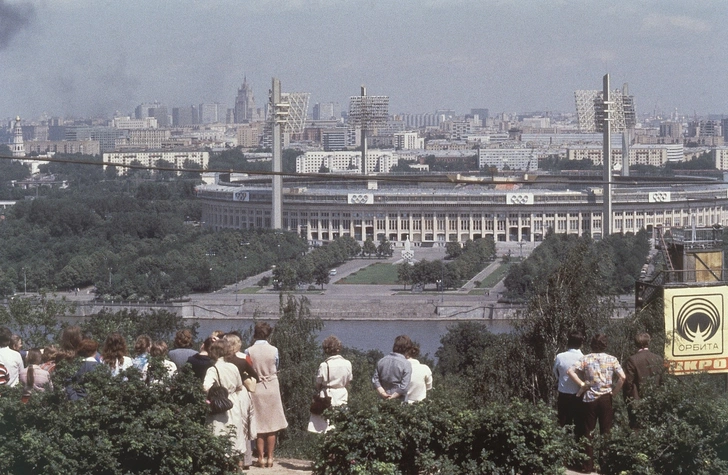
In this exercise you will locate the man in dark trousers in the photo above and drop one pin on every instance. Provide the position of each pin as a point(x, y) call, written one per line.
point(638, 369)
point(568, 405)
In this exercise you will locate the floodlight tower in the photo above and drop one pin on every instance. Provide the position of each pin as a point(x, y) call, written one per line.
point(607, 152)
point(368, 112)
point(288, 113)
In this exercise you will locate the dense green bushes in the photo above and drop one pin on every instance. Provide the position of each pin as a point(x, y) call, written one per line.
point(684, 430)
point(440, 437)
point(122, 426)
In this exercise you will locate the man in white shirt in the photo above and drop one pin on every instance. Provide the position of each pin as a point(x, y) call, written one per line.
point(421, 379)
point(9, 358)
point(568, 404)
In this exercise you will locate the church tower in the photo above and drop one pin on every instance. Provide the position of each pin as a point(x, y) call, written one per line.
point(244, 104)
point(16, 146)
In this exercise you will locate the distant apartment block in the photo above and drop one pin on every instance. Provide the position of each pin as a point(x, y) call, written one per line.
point(184, 116)
point(326, 111)
point(720, 154)
point(408, 141)
point(211, 113)
point(335, 139)
point(249, 135)
point(177, 158)
point(151, 139)
point(524, 159)
point(446, 145)
point(655, 155)
point(106, 136)
point(86, 147)
point(129, 123)
point(345, 161)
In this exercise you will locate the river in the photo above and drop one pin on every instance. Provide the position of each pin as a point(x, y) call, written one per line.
point(369, 335)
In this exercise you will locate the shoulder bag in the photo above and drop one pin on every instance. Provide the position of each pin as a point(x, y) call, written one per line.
point(320, 403)
point(217, 397)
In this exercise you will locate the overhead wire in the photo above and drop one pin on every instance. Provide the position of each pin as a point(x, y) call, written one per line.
point(462, 178)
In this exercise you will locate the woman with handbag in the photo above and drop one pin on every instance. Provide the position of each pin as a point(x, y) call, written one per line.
point(333, 376)
point(226, 375)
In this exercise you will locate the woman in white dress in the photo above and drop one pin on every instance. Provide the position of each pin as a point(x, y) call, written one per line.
point(228, 376)
point(333, 376)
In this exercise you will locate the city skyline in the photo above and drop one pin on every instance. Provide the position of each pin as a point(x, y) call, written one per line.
point(86, 58)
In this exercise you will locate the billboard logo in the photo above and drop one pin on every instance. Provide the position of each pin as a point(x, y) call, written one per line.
point(698, 325)
point(241, 196)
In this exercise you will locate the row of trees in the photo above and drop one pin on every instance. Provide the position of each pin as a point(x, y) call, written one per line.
point(466, 261)
point(619, 257)
point(315, 266)
point(130, 240)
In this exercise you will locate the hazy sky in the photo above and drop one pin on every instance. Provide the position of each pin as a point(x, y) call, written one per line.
point(93, 57)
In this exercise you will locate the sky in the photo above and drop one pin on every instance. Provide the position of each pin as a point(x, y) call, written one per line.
point(92, 58)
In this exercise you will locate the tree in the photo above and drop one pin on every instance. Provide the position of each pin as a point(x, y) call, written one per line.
point(35, 319)
point(453, 250)
point(384, 249)
point(404, 273)
point(321, 275)
point(295, 337)
point(369, 247)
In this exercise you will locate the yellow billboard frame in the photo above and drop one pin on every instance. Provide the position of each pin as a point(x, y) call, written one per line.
point(695, 329)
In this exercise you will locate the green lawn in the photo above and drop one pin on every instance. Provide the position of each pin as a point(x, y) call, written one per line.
point(248, 290)
point(378, 273)
point(495, 276)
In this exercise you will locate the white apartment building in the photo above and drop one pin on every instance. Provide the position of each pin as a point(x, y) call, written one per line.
point(129, 123)
point(508, 158)
point(345, 161)
point(720, 154)
point(655, 155)
point(408, 141)
point(151, 158)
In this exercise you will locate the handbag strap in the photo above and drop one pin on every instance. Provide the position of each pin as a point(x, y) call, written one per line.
point(328, 379)
point(219, 381)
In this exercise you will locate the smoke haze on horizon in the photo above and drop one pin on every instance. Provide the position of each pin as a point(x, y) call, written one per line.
point(93, 57)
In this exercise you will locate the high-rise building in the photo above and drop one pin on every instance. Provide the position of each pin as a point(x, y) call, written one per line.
point(481, 113)
point(211, 113)
point(326, 111)
point(183, 116)
point(244, 104)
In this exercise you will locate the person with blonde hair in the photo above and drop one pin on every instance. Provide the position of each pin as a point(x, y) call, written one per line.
point(250, 431)
point(421, 379)
point(332, 377)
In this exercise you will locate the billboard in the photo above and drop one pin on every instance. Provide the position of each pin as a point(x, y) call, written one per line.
point(695, 329)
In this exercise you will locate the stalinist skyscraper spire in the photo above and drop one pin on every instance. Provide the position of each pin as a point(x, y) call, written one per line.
point(244, 104)
point(16, 146)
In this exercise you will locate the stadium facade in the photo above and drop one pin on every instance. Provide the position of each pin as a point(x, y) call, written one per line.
point(431, 214)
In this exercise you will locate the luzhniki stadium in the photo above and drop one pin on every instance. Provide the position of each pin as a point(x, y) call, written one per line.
point(431, 210)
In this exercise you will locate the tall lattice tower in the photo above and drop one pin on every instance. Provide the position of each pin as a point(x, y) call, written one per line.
point(590, 110)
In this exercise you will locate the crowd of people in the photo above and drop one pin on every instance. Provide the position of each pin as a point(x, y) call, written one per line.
point(587, 384)
point(249, 376)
